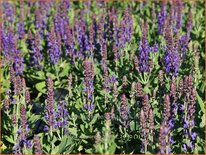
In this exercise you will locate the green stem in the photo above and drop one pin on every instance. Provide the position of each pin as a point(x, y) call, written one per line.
point(167, 148)
point(56, 72)
point(51, 131)
point(145, 147)
point(51, 138)
point(25, 150)
point(59, 135)
point(62, 132)
point(125, 133)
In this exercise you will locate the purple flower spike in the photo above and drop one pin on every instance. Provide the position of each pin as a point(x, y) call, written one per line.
point(54, 44)
point(61, 115)
point(179, 11)
point(155, 48)
point(144, 50)
point(189, 26)
point(23, 117)
point(82, 36)
point(21, 27)
point(49, 115)
point(69, 41)
point(162, 15)
point(172, 58)
point(124, 110)
point(189, 111)
point(18, 62)
point(37, 145)
point(36, 47)
point(88, 83)
point(8, 11)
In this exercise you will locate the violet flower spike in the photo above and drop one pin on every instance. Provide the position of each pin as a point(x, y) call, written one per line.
point(189, 26)
point(179, 11)
point(61, 115)
point(124, 111)
point(165, 139)
point(162, 18)
point(69, 41)
point(146, 123)
point(188, 113)
point(37, 146)
point(18, 62)
point(17, 85)
point(144, 50)
point(8, 11)
point(82, 36)
point(88, 84)
point(172, 59)
point(49, 115)
point(23, 120)
point(91, 39)
point(36, 46)
point(136, 63)
point(9, 44)
point(54, 44)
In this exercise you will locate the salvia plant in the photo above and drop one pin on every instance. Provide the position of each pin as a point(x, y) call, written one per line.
point(102, 77)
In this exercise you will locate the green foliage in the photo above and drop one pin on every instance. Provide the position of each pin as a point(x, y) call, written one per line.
point(90, 131)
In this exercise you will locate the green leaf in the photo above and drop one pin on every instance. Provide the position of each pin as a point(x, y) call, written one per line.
point(89, 151)
point(56, 83)
point(51, 75)
point(73, 131)
point(82, 127)
point(83, 118)
point(180, 129)
point(69, 149)
point(80, 148)
point(85, 141)
point(83, 136)
point(94, 119)
point(96, 69)
point(46, 149)
point(39, 75)
point(41, 86)
point(202, 87)
point(112, 148)
point(39, 95)
point(33, 118)
point(200, 102)
point(3, 147)
point(66, 141)
point(9, 139)
point(132, 126)
point(76, 64)
point(202, 124)
point(65, 70)
point(29, 151)
point(147, 90)
point(156, 112)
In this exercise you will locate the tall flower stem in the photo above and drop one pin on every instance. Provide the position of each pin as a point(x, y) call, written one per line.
point(167, 147)
point(56, 68)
